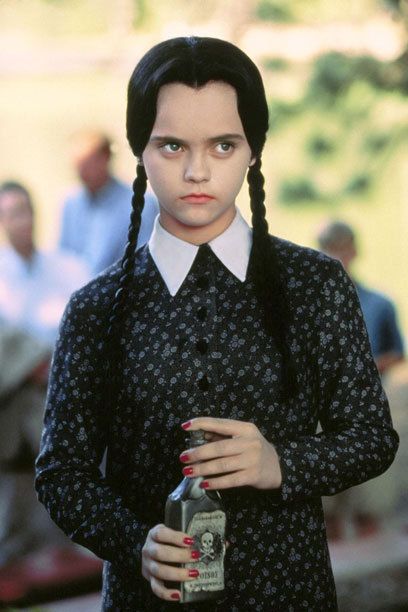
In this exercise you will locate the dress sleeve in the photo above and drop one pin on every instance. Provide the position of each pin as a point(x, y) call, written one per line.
point(357, 441)
point(69, 482)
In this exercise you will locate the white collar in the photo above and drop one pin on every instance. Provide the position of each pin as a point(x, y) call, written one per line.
point(174, 257)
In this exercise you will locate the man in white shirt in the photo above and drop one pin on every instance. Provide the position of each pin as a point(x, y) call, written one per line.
point(24, 526)
point(34, 285)
point(34, 289)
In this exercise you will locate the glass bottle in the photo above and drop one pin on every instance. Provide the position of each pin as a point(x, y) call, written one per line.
point(200, 514)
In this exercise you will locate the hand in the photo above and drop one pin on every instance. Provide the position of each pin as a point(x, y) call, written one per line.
point(240, 455)
point(164, 546)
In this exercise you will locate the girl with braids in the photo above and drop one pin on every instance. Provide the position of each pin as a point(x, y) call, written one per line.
point(212, 325)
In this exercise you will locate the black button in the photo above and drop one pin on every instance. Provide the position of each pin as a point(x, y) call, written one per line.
point(203, 383)
point(202, 346)
point(202, 313)
point(202, 282)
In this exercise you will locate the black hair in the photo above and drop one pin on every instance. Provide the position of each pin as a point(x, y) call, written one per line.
point(195, 61)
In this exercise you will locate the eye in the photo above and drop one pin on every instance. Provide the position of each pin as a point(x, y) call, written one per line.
point(171, 147)
point(224, 147)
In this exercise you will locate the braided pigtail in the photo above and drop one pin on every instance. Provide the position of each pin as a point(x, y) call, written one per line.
point(128, 260)
point(268, 282)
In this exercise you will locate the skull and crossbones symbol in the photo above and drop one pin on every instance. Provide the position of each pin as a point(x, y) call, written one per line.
point(207, 548)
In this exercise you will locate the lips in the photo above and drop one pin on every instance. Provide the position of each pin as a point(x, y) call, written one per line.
point(197, 198)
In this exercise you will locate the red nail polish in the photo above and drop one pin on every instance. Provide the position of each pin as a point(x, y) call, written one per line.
point(175, 595)
point(186, 425)
point(204, 484)
point(193, 573)
point(187, 471)
point(184, 457)
point(195, 554)
point(188, 541)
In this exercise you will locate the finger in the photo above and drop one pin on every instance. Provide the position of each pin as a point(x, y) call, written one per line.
point(229, 481)
point(160, 590)
point(223, 448)
point(164, 535)
point(224, 465)
point(171, 554)
point(169, 573)
point(225, 427)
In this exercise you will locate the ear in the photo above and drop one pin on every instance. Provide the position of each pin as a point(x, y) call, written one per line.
point(252, 162)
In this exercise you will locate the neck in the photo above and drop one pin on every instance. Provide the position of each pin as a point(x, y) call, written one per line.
point(96, 187)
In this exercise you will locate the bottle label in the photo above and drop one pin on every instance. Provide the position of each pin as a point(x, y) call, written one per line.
point(208, 531)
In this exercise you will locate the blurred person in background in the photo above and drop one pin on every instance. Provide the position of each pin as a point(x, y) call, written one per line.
point(95, 216)
point(34, 285)
point(359, 510)
point(24, 525)
point(337, 239)
point(34, 289)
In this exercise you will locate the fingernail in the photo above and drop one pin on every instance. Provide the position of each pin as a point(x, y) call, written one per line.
point(187, 471)
point(193, 573)
point(186, 425)
point(175, 595)
point(195, 554)
point(184, 457)
point(188, 541)
point(205, 484)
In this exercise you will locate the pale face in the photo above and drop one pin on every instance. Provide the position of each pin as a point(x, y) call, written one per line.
point(196, 159)
point(92, 169)
point(16, 217)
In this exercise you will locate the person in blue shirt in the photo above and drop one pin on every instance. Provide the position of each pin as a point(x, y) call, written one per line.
point(95, 216)
point(35, 284)
point(355, 505)
point(337, 239)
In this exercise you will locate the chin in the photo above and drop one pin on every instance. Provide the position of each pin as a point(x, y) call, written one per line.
point(195, 222)
point(192, 224)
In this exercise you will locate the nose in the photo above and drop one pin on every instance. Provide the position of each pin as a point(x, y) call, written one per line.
point(197, 169)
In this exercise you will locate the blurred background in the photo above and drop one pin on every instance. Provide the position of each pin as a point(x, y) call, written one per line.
point(336, 77)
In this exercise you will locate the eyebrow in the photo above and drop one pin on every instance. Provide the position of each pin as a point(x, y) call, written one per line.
point(210, 140)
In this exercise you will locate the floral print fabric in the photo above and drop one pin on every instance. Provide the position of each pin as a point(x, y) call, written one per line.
point(205, 352)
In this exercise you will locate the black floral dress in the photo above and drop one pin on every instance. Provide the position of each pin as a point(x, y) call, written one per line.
point(205, 352)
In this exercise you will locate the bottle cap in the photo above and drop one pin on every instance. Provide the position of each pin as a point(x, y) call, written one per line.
point(196, 438)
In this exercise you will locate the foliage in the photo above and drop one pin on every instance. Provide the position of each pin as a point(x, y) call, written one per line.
point(319, 145)
point(276, 64)
point(298, 189)
point(375, 142)
point(280, 111)
point(334, 73)
point(358, 184)
point(142, 12)
point(272, 10)
point(394, 5)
